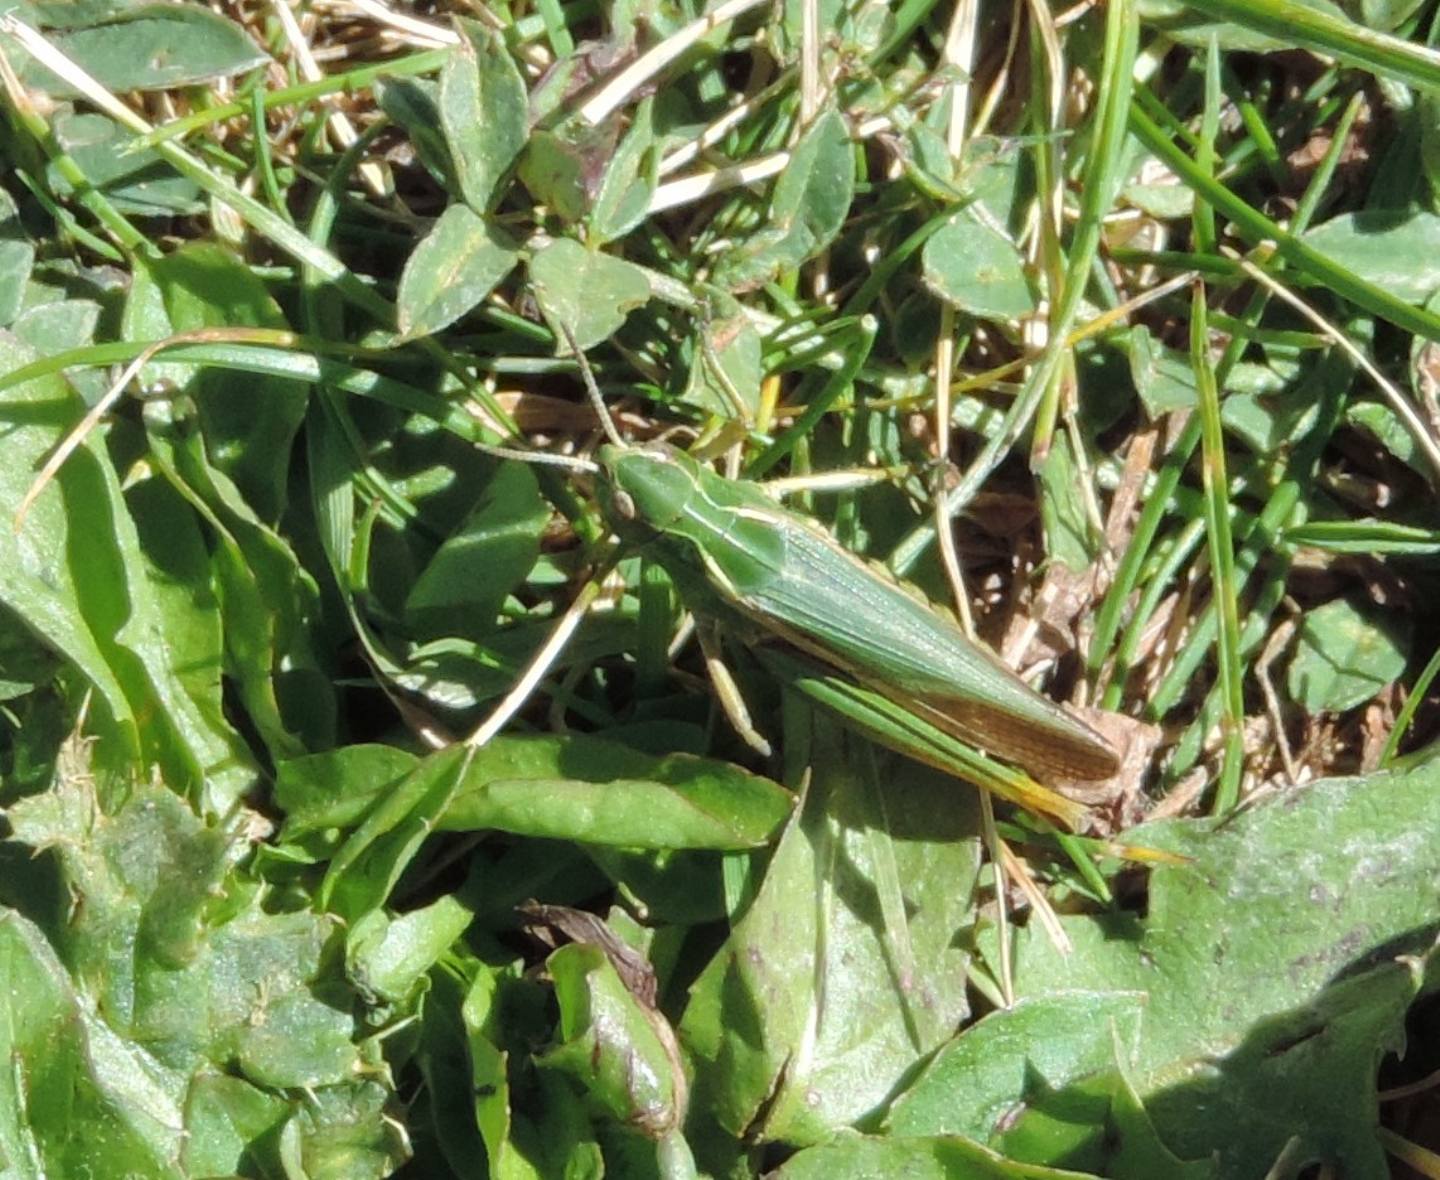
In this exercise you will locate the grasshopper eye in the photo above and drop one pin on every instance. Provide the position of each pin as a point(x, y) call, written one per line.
point(624, 504)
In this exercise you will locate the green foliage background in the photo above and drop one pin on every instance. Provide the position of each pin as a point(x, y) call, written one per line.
point(265, 914)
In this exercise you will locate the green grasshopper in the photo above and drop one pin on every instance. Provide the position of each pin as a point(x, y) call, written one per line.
point(733, 551)
point(727, 541)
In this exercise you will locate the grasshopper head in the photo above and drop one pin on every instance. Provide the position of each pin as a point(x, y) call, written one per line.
point(645, 488)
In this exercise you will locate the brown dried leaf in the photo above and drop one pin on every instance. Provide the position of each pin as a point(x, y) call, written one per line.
point(545, 922)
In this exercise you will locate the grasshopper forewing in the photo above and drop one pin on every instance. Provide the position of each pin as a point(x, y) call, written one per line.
point(788, 577)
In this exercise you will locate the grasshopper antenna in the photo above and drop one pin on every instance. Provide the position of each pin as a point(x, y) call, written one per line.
point(544, 458)
point(602, 411)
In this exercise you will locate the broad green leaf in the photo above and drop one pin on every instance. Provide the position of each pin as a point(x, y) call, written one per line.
point(1075, 1105)
point(938, 1157)
point(998, 174)
point(67, 1070)
point(1398, 250)
point(77, 575)
point(414, 103)
point(461, 590)
point(730, 342)
point(682, 888)
point(389, 956)
point(176, 968)
point(975, 268)
point(538, 1128)
point(448, 1106)
point(483, 112)
point(810, 202)
point(588, 292)
point(1386, 15)
point(150, 47)
point(40, 699)
point(619, 1050)
point(913, 329)
point(1067, 528)
point(143, 319)
point(345, 1134)
point(1165, 381)
point(559, 167)
point(138, 183)
point(490, 1080)
point(560, 1136)
point(226, 1120)
point(467, 1087)
point(364, 870)
point(54, 280)
point(268, 599)
point(1266, 423)
point(73, 14)
point(550, 95)
point(1270, 974)
point(478, 1024)
point(1067, 1036)
point(203, 1014)
point(631, 176)
point(691, 803)
point(454, 266)
point(931, 167)
point(1384, 425)
point(576, 787)
point(16, 259)
point(334, 789)
point(36, 579)
point(52, 328)
point(1344, 655)
point(1427, 117)
point(173, 552)
point(249, 425)
point(1164, 200)
point(789, 30)
point(187, 994)
point(849, 963)
point(1164, 378)
point(459, 674)
point(1101, 1125)
point(854, 30)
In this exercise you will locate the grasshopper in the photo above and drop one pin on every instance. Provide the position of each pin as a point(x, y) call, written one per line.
point(728, 542)
point(733, 551)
